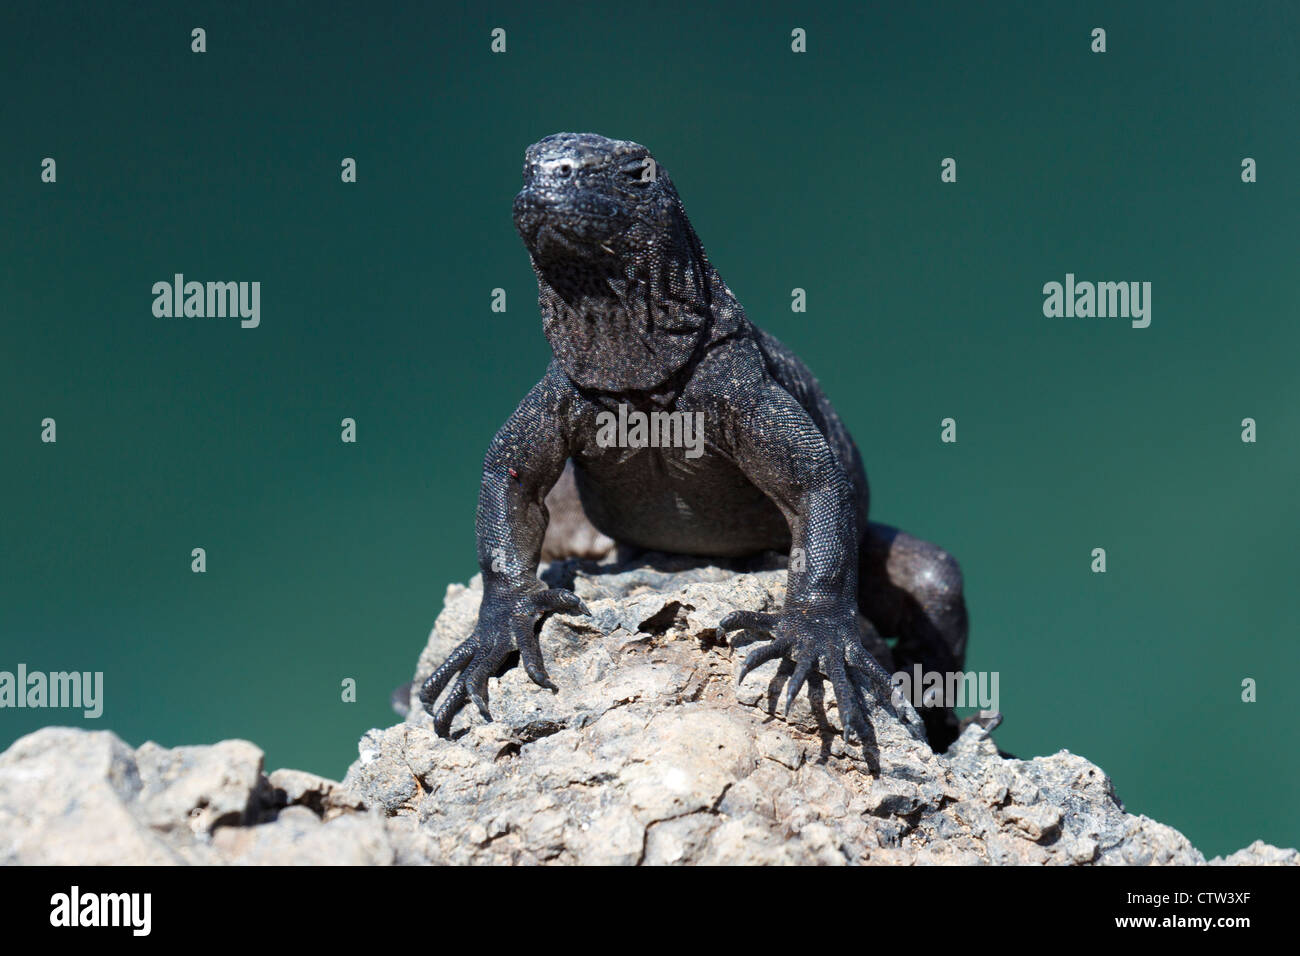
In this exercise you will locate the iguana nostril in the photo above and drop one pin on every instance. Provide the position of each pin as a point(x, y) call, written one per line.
point(564, 170)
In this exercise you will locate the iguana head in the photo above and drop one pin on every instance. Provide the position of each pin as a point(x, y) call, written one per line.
point(625, 289)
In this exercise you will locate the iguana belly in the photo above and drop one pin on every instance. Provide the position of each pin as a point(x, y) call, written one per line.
point(658, 499)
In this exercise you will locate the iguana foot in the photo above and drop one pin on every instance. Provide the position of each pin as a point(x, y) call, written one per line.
point(506, 621)
point(817, 639)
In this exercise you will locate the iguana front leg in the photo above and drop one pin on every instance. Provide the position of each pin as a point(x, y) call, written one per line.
point(782, 452)
point(523, 462)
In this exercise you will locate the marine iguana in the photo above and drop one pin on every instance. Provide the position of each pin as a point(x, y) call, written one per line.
point(637, 316)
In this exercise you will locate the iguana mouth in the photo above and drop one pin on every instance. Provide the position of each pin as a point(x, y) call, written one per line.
point(556, 223)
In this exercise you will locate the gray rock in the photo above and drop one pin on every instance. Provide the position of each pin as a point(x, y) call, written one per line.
point(65, 798)
point(197, 788)
point(70, 796)
point(298, 836)
point(647, 754)
point(1259, 853)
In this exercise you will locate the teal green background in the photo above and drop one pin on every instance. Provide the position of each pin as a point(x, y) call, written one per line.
point(821, 170)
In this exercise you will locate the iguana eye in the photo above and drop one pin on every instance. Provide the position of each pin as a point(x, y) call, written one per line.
point(639, 172)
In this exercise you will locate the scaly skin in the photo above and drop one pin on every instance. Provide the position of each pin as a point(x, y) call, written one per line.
point(636, 315)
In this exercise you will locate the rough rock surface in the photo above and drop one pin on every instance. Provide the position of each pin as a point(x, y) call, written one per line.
point(70, 796)
point(648, 754)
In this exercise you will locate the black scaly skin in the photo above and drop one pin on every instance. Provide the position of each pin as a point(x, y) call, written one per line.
point(635, 314)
